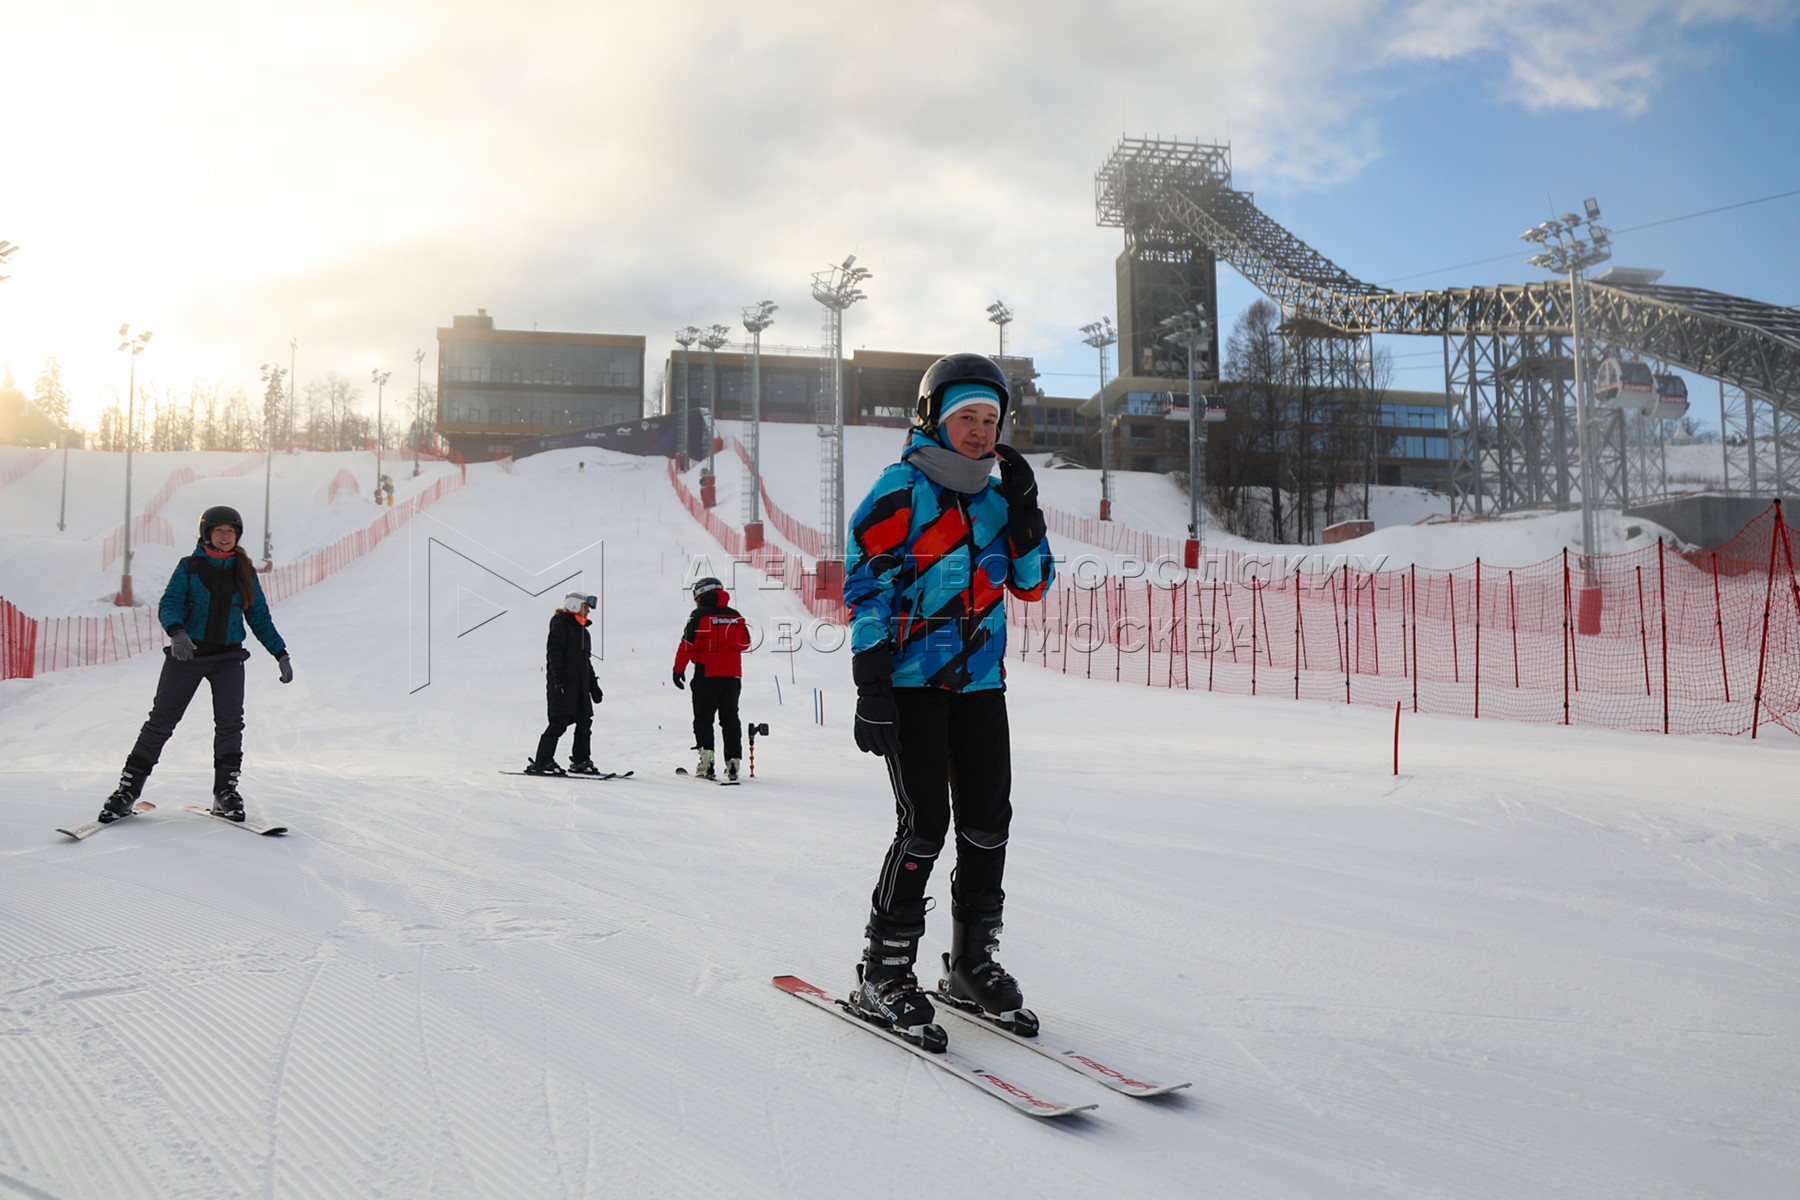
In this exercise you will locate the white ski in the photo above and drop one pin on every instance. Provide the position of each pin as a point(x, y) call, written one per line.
point(93, 827)
point(1077, 1059)
point(949, 1060)
point(247, 826)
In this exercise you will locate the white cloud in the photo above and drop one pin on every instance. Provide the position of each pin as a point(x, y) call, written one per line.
point(357, 173)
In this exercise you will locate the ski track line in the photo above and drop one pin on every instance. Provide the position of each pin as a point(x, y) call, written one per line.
point(135, 1090)
point(424, 971)
point(278, 1084)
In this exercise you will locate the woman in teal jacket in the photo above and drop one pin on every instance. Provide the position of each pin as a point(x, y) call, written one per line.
point(211, 597)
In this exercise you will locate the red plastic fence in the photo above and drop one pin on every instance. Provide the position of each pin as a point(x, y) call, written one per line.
point(342, 482)
point(801, 536)
point(1647, 640)
point(32, 646)
point(1112, 536)
point(773, 561)
point(23, 467)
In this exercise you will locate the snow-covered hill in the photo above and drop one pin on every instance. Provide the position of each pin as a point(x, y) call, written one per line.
point(1537, 962)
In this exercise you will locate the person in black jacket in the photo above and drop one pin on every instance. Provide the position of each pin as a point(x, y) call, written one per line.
point(571, 689)
point(212, 596)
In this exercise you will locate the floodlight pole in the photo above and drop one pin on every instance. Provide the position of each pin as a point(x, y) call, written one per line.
point(418, 404)
point(136, 346)
point(1101, 334)
point(1002, 316)
point(687, 335)
point(757, 318)
point(1190, 329)
point(714, 337)
point(271, 376)
point(293, 356)
point(380, 377)
point(1565, 252)
point(837, 289)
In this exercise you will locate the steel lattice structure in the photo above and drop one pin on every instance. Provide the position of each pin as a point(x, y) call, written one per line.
point(1507, 366)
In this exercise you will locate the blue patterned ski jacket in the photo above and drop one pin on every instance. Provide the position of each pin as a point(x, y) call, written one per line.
point(202, 598)
point(927, 571)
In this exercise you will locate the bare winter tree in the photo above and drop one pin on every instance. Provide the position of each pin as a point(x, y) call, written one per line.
point(1377, 379)
point(1256, 367)
point(204, 403)
point(240, 422)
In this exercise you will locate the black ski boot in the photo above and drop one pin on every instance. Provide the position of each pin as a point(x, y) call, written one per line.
point(584, 767)
point(974, 981)
point(226, 801)
point(547, 767)
point(887, 993)
point(131, 786)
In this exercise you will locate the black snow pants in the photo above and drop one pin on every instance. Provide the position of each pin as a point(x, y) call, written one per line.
point(955, 760)
point(718, 696)
point(175, 690)
point(582, 748)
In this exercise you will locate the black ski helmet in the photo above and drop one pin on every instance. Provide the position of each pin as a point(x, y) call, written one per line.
point(220, 514)
point(953, 369)
point(703, 586)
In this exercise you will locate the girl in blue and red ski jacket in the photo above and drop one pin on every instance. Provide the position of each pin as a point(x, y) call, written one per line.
point(934, 548)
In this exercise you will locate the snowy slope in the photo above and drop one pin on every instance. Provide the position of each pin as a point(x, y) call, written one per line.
point(1538, 962)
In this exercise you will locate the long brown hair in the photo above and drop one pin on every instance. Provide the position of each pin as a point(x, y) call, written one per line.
point(244, 571)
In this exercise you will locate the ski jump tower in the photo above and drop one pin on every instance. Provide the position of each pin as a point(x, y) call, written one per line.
point(1507, 365)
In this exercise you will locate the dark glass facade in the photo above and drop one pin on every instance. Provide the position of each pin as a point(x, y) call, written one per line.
point(496, 386)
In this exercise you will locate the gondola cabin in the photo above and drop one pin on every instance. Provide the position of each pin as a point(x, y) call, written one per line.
point(1623, 383)
point(1671, 398)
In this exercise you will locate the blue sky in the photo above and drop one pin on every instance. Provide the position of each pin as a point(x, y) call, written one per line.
point(1462, 171)
point(352, 174)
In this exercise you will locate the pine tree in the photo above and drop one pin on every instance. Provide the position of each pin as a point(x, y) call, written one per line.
point(49, 394)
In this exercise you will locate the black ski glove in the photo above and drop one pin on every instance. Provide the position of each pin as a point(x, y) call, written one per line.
point(1018, 483)
point(681, 681)
point(287, 668)
point(594, 692)
point(181, 646)
point(877, 718)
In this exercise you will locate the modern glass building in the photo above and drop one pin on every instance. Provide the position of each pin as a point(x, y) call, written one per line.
point(880, 386)
point(496, 386)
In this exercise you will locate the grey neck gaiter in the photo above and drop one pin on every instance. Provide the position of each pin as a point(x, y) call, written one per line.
point(947, 468)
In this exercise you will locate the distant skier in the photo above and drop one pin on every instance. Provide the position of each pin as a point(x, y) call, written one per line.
point(571, 689)
point(214, 592)
point(934, 548)
point(714, 641)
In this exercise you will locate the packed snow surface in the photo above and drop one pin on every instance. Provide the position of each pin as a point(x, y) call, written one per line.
point(1537, 961)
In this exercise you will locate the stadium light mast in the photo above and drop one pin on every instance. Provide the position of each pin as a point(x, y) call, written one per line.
point(271, 377)
point(837, 289)
point(687, 335)
point(1191, 330)
point(136, 346)
point(714, 337)
point(1101, 334)
point(418, 404)
point(293, 357)
point(1002, 316)
point(757, 317)
point(380, 377)
point(1565, 251)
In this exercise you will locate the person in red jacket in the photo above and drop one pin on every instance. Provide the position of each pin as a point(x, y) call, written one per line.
point(714, 641)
